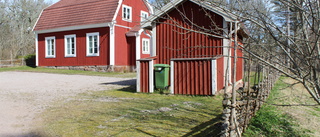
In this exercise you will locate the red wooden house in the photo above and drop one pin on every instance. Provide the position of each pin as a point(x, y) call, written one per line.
point(192, 37)
point(99, 34)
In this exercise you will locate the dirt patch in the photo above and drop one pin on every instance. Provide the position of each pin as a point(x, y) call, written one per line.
point(296, 102)
point(24, 95)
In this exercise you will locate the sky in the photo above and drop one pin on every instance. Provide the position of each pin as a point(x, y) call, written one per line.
point(53, 1)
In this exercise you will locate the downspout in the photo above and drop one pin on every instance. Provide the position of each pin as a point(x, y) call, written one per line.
point(112, 44)
point(37, 49)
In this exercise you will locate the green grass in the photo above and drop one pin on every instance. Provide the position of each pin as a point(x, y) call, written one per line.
point(68, 72)
point(268, 122)
point(124, 113)
point(254, 79)
point(272, 122)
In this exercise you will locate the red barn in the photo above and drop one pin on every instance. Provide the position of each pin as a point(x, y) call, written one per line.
point(97, 34)
point(193, 37)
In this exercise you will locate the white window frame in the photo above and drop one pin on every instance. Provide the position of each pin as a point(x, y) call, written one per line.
point(125, 16)
point(66, 51)
point(144, 16)
point(145, 50)
point(88, 44)
point(49, 47)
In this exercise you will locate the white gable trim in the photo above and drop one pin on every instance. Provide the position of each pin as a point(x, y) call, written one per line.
point(228, 16)
point(117, 11)
point(75, 28)
point(34, 26)
point(171, 5)
point(149, 6)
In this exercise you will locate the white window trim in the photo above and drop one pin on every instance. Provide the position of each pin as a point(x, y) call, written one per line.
point(87, 43)
point(66, 48)
point(142, 17)
point(130, 16)
point(143, 51)
point(54, 46)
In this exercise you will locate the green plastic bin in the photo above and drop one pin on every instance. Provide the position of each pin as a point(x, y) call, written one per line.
point(161, 76)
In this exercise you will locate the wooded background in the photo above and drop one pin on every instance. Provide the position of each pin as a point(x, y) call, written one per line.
point(17, 18)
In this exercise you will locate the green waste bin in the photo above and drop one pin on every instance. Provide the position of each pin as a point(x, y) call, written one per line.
point(161, 76)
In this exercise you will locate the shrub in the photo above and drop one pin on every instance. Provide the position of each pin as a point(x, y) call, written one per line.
point(30, 60)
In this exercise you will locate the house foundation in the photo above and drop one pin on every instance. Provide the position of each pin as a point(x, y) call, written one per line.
point(107, 68)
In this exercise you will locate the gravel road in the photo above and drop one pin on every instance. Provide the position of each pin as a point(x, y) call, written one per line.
point(24, 95)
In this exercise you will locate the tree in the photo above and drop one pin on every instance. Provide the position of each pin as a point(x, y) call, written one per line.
point(298, 48)
point(17, 18)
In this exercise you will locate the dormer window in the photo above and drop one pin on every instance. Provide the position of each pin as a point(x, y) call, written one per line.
point(127, 13)
point(144, 16)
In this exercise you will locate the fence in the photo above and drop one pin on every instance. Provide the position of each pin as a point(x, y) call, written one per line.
point(249, 101)
point(12, 62)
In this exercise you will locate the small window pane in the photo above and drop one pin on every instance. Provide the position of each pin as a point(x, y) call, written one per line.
point(93, 44)
point(126, 15)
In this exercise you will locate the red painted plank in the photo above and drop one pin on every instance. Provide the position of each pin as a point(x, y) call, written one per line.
point(81, 58)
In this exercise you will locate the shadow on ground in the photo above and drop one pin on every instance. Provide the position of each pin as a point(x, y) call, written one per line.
point(31, 134)
point(210, 128)
point(130, 85)
point(122, 83)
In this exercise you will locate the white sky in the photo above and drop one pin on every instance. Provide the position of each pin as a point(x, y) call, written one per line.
point(52, 1)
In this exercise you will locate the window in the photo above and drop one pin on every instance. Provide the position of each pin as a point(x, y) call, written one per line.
point(50, 47)
point(126, 13)
point(70, 45)
point(144, 15)
point(145, 46)
point(93, 44)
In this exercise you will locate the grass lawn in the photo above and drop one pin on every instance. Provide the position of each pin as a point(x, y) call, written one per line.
point(288, 112)
point(125, 113)
point(68, 72)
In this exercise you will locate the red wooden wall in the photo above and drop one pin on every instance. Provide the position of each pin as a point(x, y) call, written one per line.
point(143, 35)
point(144, 76)
point(192, 77)
point(176, 42)
point(240, 63)
point(137, 6)
point(125, 52)
point(125, 48)
point(220, 73)
point(81, 58)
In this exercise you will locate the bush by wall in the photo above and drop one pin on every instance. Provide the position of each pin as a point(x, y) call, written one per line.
point(30, 60)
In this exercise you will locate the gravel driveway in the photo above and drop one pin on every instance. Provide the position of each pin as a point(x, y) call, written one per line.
point(23, 95)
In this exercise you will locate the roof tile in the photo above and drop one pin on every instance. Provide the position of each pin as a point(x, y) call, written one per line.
point(67, 13)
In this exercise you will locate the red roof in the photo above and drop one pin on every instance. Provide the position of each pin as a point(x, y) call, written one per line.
point(67, 13)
